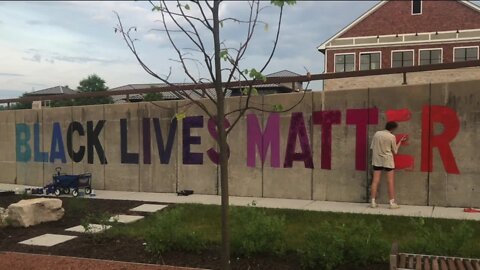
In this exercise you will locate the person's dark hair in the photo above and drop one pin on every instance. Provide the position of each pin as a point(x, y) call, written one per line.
point(390, 126)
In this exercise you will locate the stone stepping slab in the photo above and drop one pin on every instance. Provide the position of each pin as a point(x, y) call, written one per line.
point(149, 208)
point(48, 240)
point(125, 218)
point(93, 228)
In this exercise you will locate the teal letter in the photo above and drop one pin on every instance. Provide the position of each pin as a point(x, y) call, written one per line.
point(57, 140)
point(22, 135)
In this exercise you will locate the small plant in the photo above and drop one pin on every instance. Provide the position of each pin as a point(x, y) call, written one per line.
point(103, 219)
point(438, 240)
point(170, 233)
point(324, 247)
point(256, 232)
point(332, 245)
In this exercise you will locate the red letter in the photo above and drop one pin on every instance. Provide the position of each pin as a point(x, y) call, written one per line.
point(327, 119)
point(361, 118)
point(451, 125)
point(297, 129)
point(401, 161)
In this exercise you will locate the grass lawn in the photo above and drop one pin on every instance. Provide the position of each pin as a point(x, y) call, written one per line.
point(418, 235)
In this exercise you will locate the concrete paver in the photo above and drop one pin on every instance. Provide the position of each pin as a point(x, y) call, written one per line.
point(93, 228)
point(149, 208)
point(48, 240)
point(125, 218)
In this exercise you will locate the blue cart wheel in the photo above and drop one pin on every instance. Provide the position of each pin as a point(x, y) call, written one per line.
point(66, 190)
point(75, 193)
point(88, 190)
point(57, 192)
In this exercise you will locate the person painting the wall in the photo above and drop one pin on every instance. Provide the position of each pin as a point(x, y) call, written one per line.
point(384, 146)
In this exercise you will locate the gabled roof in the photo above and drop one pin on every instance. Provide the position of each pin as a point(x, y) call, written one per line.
point(57, 90)
point(322, 46)
point(283, 73)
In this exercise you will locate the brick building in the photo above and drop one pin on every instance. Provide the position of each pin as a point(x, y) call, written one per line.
point(405, 33)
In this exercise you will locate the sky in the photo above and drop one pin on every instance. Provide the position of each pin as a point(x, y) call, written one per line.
point(45, 44)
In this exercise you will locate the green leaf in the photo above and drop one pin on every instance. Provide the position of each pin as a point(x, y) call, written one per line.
point(221, 24)
point(277, 107)
point(187, 7)
point(281, 3)
point(180, 116)
point(254, 74)
point(266, 27)
point(224, 54)
point(253, 91)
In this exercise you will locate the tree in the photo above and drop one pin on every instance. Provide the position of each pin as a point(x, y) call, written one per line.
point(153, 97)
point(199, 22)
point(22, 105)
point(93, 83)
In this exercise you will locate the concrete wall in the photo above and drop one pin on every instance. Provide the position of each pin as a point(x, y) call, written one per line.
point(308, 161)
point(416, 78)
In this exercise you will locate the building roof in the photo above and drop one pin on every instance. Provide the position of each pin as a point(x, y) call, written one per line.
point(322, 46)
point(57, 90)
point(283, 73)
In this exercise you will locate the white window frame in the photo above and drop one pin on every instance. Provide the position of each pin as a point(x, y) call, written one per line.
point(368, 52)
point(394, 51)
point(431, 49)
point(421, 7)
point(335, 62)
point(466, 47)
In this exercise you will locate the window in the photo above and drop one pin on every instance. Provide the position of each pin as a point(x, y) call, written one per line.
point(369, 61)
point(402, 59)
point(466, 54)
point(416, 7)
point(431, 56)
point(344, 62)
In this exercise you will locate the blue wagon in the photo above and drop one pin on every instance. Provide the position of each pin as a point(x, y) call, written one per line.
point(66, 183)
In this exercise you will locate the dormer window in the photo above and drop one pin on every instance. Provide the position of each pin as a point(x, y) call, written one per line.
point(416, 7)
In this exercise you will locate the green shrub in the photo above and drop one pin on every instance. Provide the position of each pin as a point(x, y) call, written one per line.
point(364, 245)
point(323, 247)
point(169, 232)
point(332, 245)
point(438, 240)
point(256, 232)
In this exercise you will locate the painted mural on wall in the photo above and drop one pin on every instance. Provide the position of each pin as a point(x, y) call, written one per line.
point(261, 141)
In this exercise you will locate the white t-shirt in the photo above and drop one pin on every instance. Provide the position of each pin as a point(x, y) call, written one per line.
point(384, 146)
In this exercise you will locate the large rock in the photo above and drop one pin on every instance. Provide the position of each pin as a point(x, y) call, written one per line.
point(31, 212)
point(3, 217)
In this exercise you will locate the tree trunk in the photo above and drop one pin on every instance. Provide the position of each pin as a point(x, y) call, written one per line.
point(222, 140)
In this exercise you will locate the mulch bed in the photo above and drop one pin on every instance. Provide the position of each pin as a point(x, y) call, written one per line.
point(126, 249)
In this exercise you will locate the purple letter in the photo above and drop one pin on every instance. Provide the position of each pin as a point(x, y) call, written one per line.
point(262, 141)
point(212, 129)
point(188, 123)
point(327, 119)
point(297, 129)
point(361, 118)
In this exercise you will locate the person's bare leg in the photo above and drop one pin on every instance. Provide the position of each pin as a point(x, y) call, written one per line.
point(375, 181)
point(391, 184)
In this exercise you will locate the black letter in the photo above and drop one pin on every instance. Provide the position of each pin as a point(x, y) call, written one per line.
point(75, 156)
point(130, 158)
point(92, 141)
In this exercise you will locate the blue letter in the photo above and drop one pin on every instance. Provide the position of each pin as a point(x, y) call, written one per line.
point(57, 140)
point(37, 155)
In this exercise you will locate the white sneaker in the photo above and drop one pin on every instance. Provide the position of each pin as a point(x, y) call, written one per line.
point(394, 205)
point(373, 204)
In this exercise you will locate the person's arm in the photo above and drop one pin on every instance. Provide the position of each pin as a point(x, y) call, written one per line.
point(396, 146)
